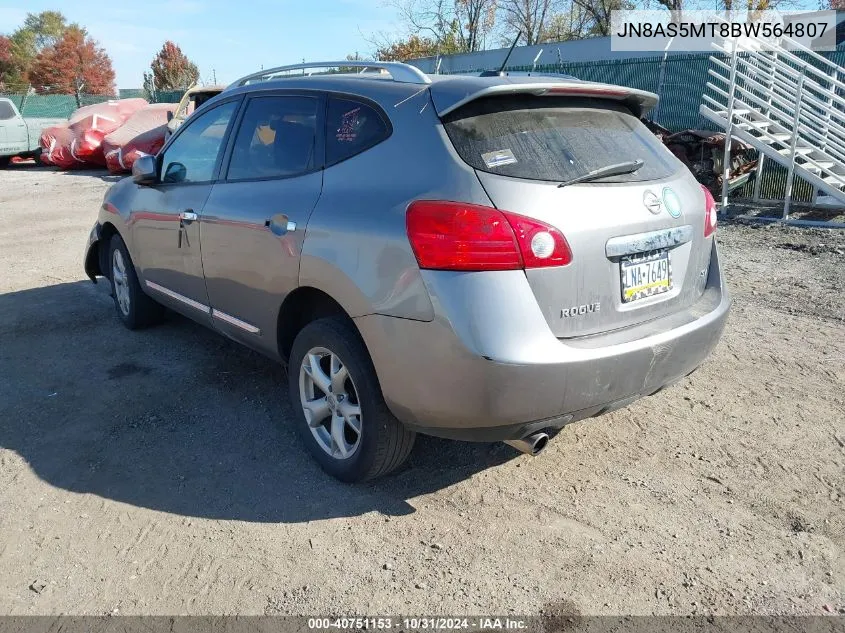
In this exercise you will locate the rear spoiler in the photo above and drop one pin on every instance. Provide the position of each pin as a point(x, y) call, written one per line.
point(639, 101)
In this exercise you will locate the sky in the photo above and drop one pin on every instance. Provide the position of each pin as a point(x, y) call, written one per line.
point(225, 37)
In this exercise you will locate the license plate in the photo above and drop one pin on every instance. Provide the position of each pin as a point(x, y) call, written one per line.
point(645, 275)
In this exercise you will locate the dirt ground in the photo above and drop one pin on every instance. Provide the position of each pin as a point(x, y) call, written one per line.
point(157, 472)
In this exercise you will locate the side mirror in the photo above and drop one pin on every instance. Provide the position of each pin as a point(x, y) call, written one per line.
point(176, 172)
point(169, 116)
point(144, 170)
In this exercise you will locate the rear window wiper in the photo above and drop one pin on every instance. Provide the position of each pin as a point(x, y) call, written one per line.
point(610, 170)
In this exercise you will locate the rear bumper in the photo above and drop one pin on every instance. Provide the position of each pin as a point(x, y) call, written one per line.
point(482, 371)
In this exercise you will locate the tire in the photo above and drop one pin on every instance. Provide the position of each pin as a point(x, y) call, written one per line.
point(4, 161)
point(380, 443)
point(134, 308)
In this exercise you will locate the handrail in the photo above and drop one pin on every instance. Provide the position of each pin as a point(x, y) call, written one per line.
point(824, 171)
point(807, 159)
point(781, 68)
point(399, 72)
point(792, 43)
point(783, 116)
point(807, 101)
point(794, 73)
point(808, 51)
point(788, 108)
point(782, 91)
point(772, 153)
point(805, 66)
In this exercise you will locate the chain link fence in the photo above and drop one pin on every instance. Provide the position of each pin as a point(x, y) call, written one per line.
point(62, 106)
point(680, 80)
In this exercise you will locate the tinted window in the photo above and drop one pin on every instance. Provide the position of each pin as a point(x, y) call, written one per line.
point(549, 138)
point(277, 138)
point(351, 128)
point(192, 155)
point(6, 111)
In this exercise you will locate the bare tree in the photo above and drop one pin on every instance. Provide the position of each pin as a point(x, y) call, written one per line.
point(676, 8)
point(530, 17)
point(456, 24)
point(764, 5)
point(475, 20)
point(597, 13)
point(569, 23)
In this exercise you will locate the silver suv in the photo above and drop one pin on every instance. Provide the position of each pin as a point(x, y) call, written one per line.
point(477, 258)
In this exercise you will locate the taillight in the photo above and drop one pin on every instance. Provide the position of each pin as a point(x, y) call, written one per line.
point(541, 245)
point(709, 212)
point(457, 236)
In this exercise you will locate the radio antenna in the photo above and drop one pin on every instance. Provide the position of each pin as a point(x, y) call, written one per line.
point(501, 71)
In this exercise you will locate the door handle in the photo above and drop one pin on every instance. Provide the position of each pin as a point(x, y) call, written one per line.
point(279, 224)
point(188, 216)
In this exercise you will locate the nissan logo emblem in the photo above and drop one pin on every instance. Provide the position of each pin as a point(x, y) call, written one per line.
point(652, 202)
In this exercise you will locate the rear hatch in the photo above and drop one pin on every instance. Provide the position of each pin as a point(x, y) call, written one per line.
point(637, 239)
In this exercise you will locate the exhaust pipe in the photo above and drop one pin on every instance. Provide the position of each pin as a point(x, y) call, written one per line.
point(531, 445)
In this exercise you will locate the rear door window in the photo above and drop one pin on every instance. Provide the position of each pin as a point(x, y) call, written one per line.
point(276, 138)
point(351, 128)
point(555, 139)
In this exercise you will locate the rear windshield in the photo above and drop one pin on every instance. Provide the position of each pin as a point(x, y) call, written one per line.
point(555, 139)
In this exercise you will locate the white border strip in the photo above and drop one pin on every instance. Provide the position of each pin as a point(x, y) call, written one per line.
point(175, 295)
point(228, 318)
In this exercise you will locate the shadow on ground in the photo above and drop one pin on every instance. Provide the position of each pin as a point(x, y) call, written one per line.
point(176, 418)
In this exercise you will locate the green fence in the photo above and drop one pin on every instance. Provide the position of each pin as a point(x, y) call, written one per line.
point(679, 80)
point(163, 96)
point(51, 106)
point(62, 106)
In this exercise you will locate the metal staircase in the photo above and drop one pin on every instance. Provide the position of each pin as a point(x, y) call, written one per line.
point(789, 108)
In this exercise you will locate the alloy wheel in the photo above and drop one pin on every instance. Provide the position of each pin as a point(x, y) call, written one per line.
point(121, 282)
point(330, 402)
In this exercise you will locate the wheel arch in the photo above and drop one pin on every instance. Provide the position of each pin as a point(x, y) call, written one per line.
point(107, 231)
point(301, 307)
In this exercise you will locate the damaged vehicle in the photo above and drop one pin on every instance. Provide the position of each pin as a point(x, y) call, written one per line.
point(193, 98)
point(475, 258)
point(703, 152)
point(20, 137)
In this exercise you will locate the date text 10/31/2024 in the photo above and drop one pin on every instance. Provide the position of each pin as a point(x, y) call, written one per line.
point(418, 623)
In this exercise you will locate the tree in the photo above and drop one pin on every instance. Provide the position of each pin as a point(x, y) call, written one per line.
point(172, 70)
point(354, 57)
point(475, 20)
point(74, 64)
point(6, 62)
point(414, 47)
point(150, 87)
point(764, 5)
point(38, 32)
point(22, 48)
point(571, 24)
point(675, 7)
point(597, 13)
point(46, 27)
point(528, 17)
point(466, 23)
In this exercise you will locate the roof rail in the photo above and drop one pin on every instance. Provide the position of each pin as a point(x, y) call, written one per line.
point(404, 73)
